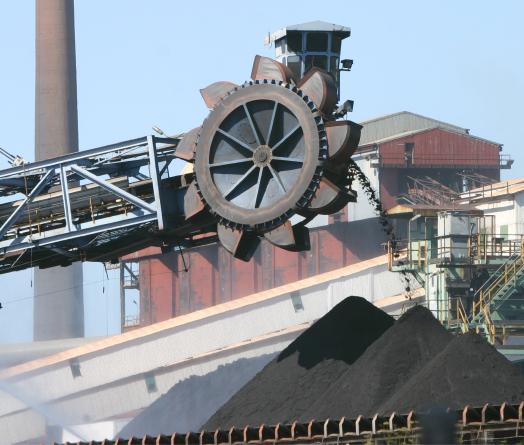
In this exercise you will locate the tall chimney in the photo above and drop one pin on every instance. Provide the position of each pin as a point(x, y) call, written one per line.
point(58, 303)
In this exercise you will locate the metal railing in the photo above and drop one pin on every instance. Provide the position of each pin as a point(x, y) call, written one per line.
point(434, 160)
point(508, 272)
point(417, 254)
point(462, 316)
point(476, 311)
point(131, 320)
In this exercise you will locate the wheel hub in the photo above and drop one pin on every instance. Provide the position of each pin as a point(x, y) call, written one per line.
point(262, 156)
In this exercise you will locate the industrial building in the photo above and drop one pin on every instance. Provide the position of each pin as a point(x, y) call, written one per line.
point(407, 158)
point(120, 204)
point(468, 255)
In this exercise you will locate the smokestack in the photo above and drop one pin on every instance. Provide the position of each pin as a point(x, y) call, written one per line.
point(59, 305)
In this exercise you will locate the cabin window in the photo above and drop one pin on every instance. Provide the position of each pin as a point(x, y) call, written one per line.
point(336, 44)
point(294, 63)
point(316, 61)
point(294, 42)
point(317, 41)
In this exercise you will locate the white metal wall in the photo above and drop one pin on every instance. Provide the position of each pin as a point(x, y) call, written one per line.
point(112, 380)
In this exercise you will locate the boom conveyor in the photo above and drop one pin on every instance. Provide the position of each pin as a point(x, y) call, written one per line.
point(269, 149)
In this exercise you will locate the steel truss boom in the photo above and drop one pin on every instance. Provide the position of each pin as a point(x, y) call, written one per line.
point(91, 204)
point(269, 149)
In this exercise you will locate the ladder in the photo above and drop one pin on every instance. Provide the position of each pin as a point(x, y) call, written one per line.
point(497, 290)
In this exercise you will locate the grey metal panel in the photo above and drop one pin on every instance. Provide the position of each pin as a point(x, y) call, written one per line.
point(316, 25)
point(397, 123)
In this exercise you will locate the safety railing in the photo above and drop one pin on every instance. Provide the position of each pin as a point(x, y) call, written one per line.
point(411, 255)
point(483, 247)
point(462, 316)
point(494, 423)
point(131, 321)
point(508, 272)
point(491, 330)
point(453, 313)
point(417, 254)
point(400, 159)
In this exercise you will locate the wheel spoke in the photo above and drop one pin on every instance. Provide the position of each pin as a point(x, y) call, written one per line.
point(257, 187)
point(286, 137)
point(234, 139)
point(236, 184)
point(277, 178)
point(234, 161)
point(252, 124)
point(271, 123)
point(281, 158)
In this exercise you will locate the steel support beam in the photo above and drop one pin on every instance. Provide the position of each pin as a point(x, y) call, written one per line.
point(155, 179)
point(86, 155)
point(65, 198)
point(35, 192)
point(111, 188)
point(53, 238)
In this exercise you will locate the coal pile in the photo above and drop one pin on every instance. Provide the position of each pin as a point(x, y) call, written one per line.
point(469, 371)
point(416, 338)
point(190, 402)
point(304, 371)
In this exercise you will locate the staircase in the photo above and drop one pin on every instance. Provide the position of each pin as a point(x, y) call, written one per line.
point(494, 293)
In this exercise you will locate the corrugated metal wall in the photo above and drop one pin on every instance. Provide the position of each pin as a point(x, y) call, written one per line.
point(439, 147)
point(397, 123)
point(214, 276)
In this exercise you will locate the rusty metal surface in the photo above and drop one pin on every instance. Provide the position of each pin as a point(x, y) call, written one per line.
point(185, 149)
point(266, 68)
point(289, 237)
point(438, 147)
point(214, 93)
point(227, 278)
point(321, 88)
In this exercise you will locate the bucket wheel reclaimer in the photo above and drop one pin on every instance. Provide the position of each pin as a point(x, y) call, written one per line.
point(269, 149)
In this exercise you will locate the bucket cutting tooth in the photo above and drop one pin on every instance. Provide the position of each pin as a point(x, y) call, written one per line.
point(193, 205)
point(288, 237)
point(329, 198)
point(186, 147)
point(214, 93)
point(242, 244)
point(343, 138)
point(321, 88)
point(266, 68)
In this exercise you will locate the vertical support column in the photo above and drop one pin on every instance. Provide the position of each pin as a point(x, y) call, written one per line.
point(122, 297)
point(155, 179)
point(65, 199)
point(58, 303)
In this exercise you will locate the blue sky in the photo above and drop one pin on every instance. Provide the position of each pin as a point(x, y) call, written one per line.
point(142, 63)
